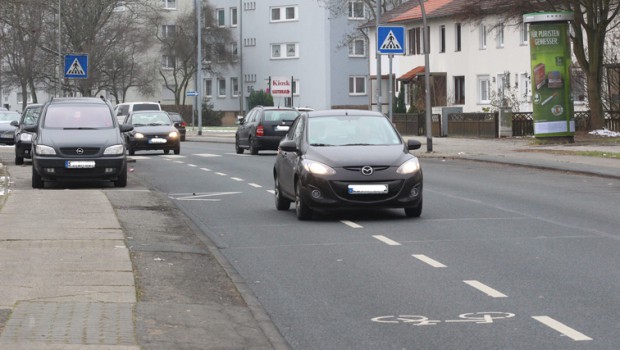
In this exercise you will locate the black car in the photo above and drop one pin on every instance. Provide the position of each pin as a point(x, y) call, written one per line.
point(263, 128)
point(7, 127)
point(346, 159)
point(23, 138)
point(152, 130)
point(179, 123)
point(78, 138)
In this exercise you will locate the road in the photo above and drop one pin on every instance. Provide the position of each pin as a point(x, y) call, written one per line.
point(502, 257)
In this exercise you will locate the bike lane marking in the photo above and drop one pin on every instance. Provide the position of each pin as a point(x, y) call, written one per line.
point(386, 240)
point(562, 328)
point(486, 289)
point(429, 261)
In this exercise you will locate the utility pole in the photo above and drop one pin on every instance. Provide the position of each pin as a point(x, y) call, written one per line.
point(198, 4)
point(60, 70)
point(378, 57)
point(427, 83)
point(241, 78)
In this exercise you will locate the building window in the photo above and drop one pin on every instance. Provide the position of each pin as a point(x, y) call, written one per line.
point(457, 37)
point(168, 31)
point(356, 10)
point(357, 85)
point(233, 16)
point(284, 51)
point(234, 87)
point(169, 4)
point(168, 61)
point(525, 90)
point(500, 35)
point(442, 39)
point(415, 40)
point(234, 50)
point(208, 87)
point(484, 89)
point(221, 87)
point(220, 17)
point(459, 90)
point(483, 36)
point(525, 38)
point(20, 98)
point(284, 14)
point(288, 101)
point(357, 48)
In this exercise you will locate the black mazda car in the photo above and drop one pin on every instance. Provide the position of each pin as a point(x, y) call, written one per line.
point(346, 159)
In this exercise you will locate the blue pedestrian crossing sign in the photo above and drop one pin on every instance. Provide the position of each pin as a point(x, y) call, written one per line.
point(76, 66)
point(391, 40)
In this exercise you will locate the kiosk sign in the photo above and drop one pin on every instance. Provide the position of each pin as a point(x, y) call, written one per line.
point(550, 63)
point(281, 87)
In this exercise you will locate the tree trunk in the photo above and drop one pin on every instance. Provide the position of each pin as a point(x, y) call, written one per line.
point(597, 115)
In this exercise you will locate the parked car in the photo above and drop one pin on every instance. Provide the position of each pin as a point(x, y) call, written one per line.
point(122, 110)
point(263, 128)
point(23, 138)
point(152, 130)
point(7, 127)
point(346, 159)
point(78, 138)
point(179, 123)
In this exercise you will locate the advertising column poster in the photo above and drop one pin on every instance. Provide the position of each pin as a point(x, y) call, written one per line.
point(550, 57)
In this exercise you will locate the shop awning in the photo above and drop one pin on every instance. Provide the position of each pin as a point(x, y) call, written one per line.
point(411, 74)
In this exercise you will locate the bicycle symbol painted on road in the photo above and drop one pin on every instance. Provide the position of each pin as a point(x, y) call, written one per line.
point(419, 320)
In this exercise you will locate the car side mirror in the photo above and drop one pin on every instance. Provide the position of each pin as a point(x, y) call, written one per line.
point(240, 120)
point(14, 123)
point(288, 146)
point(413, 144)
point(31, 128)
point(126, 127)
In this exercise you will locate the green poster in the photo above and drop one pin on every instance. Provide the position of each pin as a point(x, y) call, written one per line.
point(551, 92)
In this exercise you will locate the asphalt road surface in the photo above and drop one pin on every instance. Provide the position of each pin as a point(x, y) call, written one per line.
point(501, 258)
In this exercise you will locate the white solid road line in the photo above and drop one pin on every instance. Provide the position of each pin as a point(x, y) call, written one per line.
point(351, 224)
point(562, 328)
point(386, 240)
point(486, 289)
point(426, 259)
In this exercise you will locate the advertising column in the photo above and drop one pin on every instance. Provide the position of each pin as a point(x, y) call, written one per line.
point(550, 57)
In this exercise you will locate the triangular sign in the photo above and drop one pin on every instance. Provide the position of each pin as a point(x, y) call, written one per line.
point(76, 68)
point(391, 43)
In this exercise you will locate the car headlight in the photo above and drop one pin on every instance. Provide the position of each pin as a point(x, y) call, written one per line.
point(114, 150)
point(317, 168)
point(409, 167)
point(25, 137)
point(173, 134)
point(138, 135)
point(44, 150)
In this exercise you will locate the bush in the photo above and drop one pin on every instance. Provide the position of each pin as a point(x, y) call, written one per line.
point(259, 98)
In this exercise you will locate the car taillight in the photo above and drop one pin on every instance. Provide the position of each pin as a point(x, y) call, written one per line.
point(260, 131)
point(183, 124)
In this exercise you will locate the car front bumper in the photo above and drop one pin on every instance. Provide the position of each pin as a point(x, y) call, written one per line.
point(146, 144)
point(56, 168)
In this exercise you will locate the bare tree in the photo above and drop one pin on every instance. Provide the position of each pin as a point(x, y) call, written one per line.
point(593, 20)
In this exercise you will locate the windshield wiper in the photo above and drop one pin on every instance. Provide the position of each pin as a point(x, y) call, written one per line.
point(359, 144)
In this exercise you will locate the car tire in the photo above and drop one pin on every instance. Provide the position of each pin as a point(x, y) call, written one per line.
point(177, 150)
point(19, 160)
point(253, 147)
point(414, 212)
point(302, 210)
point(130, 150)
point(37, 181)
point(166, 151)
point(121, 181)
point(281, 202)
point(238, 148)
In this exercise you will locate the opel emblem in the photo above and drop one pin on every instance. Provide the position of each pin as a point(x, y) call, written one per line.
point(367, 170)
point(79, 151)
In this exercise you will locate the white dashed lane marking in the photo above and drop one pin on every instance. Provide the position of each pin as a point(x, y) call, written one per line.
point(386, 240)
point(426, 259)
point(351, 224)
point(562, 328)
point(255, 185)
point(486, 289)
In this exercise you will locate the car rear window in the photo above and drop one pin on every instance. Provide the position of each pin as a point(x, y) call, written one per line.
point(278, 116)
point(145, 107)
point(78, 116)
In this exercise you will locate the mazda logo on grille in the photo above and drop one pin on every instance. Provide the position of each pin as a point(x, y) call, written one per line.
point(367, 170)
point(79, 151)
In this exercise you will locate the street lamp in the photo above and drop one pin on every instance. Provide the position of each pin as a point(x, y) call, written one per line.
point(60, 73)
point(197, 4)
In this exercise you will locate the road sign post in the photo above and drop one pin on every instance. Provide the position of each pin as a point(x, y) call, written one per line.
point(390, 41)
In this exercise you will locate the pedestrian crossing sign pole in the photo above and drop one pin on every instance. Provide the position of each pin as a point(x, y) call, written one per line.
point(390, 41)
point(76, 66)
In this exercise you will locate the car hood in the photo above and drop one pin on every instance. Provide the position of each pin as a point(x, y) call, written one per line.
point(154, 130)
point(343, 156)
point(6, 126)
point(79, 138)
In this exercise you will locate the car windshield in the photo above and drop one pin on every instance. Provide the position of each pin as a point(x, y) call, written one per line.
point(351, 130)
point(150, 119)
point(31, 115)
point(78, 116)
point(8, 117)
point(280, 115)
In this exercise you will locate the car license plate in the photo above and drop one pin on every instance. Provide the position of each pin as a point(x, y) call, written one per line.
point(282, 128)
point(157, 140)
point(79, 164)
point(368, 189)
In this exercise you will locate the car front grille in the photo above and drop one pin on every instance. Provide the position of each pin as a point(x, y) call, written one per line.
point(75, 151)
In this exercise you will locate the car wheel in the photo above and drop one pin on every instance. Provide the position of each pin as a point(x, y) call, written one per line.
point(253, 147)
point(238, 148)
point(177, 150)
point(19, 160)
point(301, 208)
point(121, 181)
point(414, 212)
point(131, 150)
point(166, 151)
point(281, 202)
point(37, 181)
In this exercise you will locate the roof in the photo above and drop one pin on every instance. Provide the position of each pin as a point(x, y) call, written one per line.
point(412, 73)
point(411, 11)
point(343, 112)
